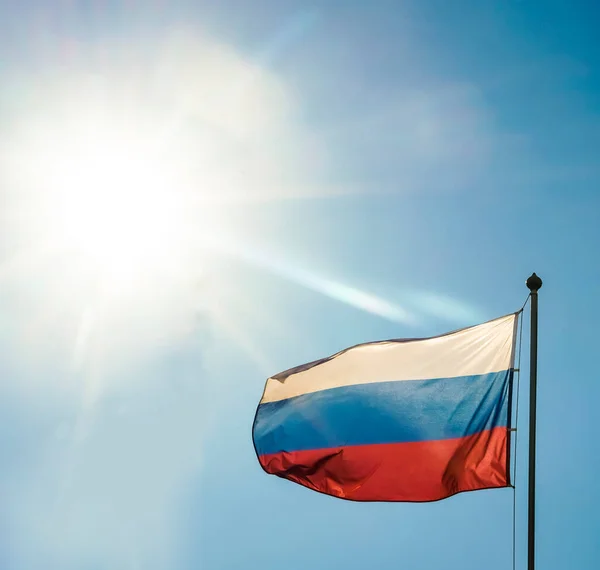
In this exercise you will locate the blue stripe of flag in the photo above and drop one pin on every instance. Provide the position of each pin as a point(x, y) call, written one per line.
point(384, 412)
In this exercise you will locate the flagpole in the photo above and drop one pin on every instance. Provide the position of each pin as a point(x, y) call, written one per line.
point(534, 283)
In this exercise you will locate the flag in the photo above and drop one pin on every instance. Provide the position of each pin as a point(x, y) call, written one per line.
point(400, 420)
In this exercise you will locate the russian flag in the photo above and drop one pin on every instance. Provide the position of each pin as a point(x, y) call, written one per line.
point(400, 420)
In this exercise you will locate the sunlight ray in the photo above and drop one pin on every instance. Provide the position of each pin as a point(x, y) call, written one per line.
point(336, 290)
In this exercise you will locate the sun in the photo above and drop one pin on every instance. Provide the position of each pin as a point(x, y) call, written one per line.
point(115, 234)
point(113, 199)
point(118, 205)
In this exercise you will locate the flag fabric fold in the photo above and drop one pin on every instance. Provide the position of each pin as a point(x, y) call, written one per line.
point(402, 420)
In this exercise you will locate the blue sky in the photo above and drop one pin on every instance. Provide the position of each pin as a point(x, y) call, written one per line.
point(364, 171)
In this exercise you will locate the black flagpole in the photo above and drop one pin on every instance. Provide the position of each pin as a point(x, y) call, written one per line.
point(534, 283)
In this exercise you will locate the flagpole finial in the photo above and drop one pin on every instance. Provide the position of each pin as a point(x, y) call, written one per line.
point(534, 283)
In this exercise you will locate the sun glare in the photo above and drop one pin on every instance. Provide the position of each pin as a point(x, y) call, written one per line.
point(124, 173)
